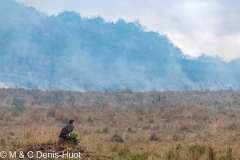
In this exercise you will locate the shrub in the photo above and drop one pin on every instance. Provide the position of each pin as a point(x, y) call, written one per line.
point(19, 104)
point(73, 137)
point(116, 138)
point(105, 130)
point(153, 137)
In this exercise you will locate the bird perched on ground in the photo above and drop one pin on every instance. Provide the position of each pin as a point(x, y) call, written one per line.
point(67, 129)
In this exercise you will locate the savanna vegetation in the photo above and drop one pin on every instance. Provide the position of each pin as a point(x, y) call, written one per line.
point(165, 125)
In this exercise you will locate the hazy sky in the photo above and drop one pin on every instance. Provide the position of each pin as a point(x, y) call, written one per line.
point(196, 26)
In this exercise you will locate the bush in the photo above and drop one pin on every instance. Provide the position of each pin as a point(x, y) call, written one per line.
point(73, 137)
point(19, 104)
point(105, 130)
point(153, 137)
point(116, 138)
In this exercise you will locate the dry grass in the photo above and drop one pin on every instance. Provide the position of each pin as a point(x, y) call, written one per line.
point(129, 125)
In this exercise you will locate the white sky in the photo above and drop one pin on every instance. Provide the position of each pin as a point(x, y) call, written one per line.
point(195, 26)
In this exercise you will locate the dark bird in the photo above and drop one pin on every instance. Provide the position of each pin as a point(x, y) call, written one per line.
point(67, 129)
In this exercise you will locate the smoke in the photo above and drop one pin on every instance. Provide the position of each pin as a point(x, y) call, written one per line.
point(71, 52)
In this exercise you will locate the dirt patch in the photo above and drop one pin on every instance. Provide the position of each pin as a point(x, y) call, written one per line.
point(64, 147)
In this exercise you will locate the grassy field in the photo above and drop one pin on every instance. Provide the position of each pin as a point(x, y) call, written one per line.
point(167, 125)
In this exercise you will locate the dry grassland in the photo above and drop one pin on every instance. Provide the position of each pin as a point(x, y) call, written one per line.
point(188, 125)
